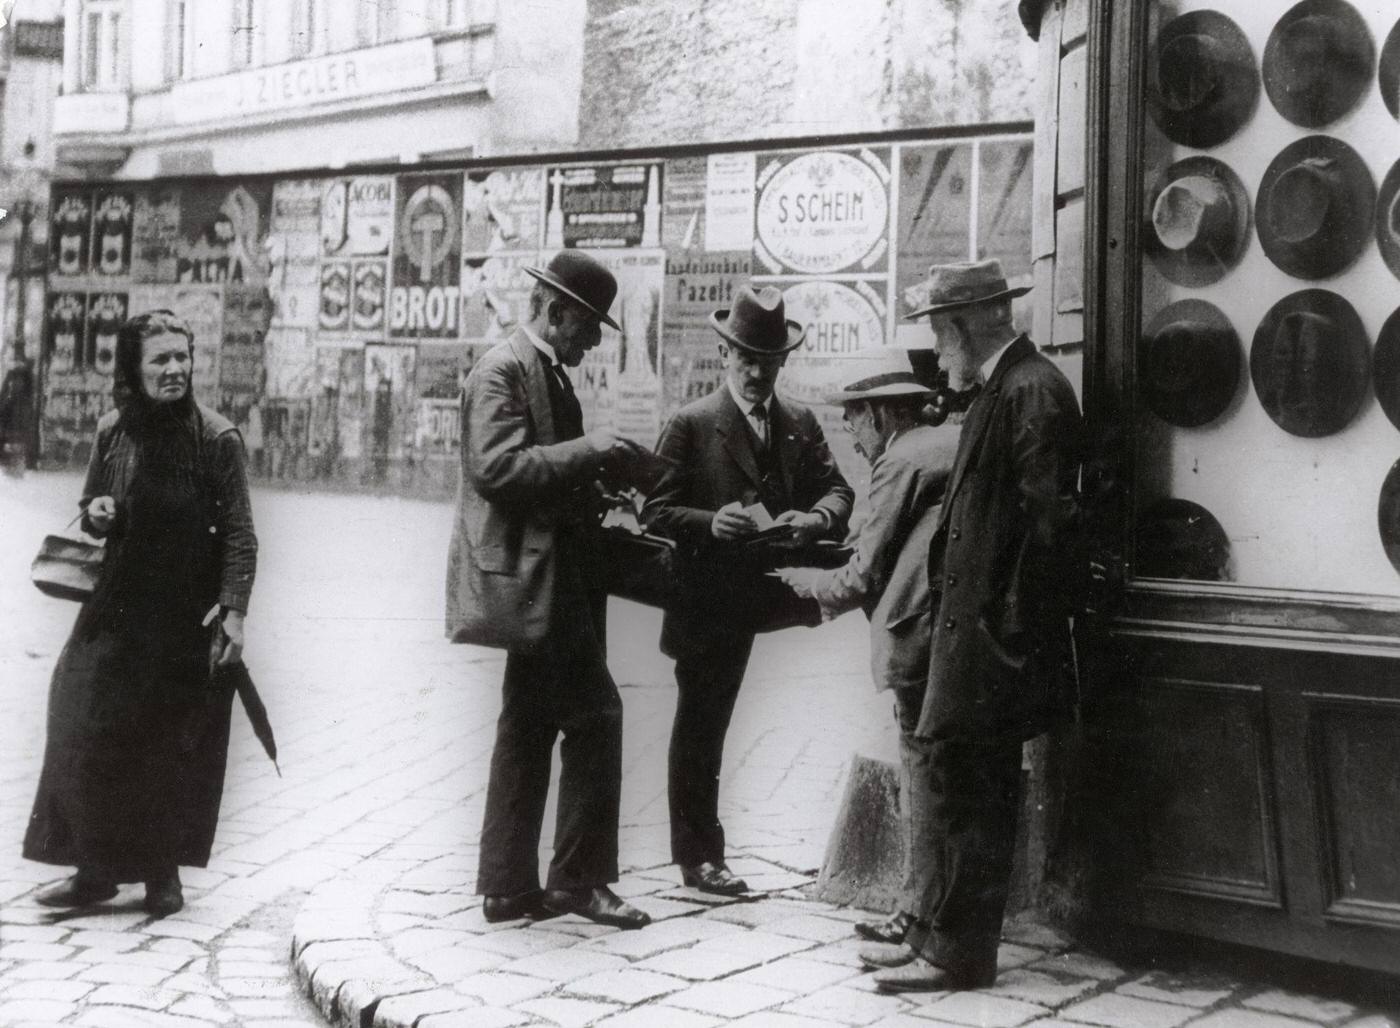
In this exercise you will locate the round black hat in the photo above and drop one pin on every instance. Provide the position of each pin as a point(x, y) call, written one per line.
point(1310, 363)
point(1385, 367)
point(1189, 363)
point(1388, 515)
point(1388, 219)
point(1390, 71)
point(1199, 221)
point(1179, 539)
point(1202, 79)
point(1318, 61)
point(1315, 207)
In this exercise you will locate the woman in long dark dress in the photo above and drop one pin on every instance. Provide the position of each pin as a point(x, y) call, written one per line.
point(137, 725)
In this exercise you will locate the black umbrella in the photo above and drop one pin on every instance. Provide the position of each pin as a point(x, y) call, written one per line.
point(236, 676)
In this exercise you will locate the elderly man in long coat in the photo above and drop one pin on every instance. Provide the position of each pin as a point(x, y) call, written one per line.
point(521, 577)
point(1000, 670)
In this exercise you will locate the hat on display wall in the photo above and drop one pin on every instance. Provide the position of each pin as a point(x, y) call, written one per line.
point(1177, 538)
point(1390, 71)
point(1200, 221)
point(1388, 515)
point(1310, 363)
point(1189, 363)
point(1203, 82)
point(1388, 219)
point(1315, 207)
point(1385, 367)
point(1318, 62)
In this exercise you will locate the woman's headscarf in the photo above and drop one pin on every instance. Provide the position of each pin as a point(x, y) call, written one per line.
point(138, 409)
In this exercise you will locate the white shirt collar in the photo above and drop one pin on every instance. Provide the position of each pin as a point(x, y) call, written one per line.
point(990, 364)
point(746, 406)
point(549, 355)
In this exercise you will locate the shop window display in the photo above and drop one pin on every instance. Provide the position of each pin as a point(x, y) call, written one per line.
point(1267, 366)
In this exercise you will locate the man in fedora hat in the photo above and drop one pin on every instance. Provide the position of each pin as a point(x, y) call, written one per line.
point(739, 447)
point(520, 577)
point(884, 406)
point(1000, 563)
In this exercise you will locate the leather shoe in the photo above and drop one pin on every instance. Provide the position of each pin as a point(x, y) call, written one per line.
point(883, 955)
point(713, 878)
point(918, 975)
point(598, 904)
point(79, 891)
point(516, 906)
point(894, 930)
point(164, 895)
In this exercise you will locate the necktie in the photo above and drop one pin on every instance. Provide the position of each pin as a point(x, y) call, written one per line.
point(570, 403)
point(761, 424)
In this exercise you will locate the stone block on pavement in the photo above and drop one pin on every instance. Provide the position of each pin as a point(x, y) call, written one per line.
point(1117, 1011)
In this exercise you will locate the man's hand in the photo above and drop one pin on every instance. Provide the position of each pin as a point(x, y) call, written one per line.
point(102, 512)
point(730, 522)
point(806, 528)
point(799, 580)
point(226, 647)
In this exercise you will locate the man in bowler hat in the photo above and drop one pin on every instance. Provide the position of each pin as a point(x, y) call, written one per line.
point(884, 405)
point(521, 577)
point(739, 447)
point(1001, 564)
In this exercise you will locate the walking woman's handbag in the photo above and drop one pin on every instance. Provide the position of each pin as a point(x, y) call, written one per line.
point(67, 568)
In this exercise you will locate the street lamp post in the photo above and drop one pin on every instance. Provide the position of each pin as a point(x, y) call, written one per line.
point(36, 396)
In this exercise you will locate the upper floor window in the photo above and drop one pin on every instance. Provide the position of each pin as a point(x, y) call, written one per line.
point(180, 25)
point(310, 24)
point(461, 14)
point(99, 42)
point(376, 22)
point(246, 33)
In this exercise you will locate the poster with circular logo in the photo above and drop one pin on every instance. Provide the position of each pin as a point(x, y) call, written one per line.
point(841, 319)
point(823, 213)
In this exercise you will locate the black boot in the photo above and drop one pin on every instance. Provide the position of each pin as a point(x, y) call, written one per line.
point(164, 895)
point(84, 888)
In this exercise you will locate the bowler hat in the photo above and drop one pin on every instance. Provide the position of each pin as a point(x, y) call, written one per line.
point(1385, 367)
point(1318, 61)
point(1177, 538)
point(955, 286)
point(879, 372)
point(582, 279)
point(1315, 207)
point(1390, 71)
point(1388, 515)
point(1203, 83)
point(1310, 363)
point(1189, 363)
point(1388, 219)
point(1200, 222)
point(757, 322)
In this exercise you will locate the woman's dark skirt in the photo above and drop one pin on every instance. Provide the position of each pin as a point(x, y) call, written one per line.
point(134, 763)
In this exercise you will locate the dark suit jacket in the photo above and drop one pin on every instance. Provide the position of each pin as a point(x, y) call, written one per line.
point(1007, 542)
point(517, 485)
point(712, 447)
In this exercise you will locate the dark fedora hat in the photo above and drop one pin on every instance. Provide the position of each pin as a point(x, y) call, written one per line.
point(1202, 80)
point(1390, 71)
point(1177, 538)
point(954, 286)
point(1189, 363)
point(1388, 219)
point(1318, 61)
point(757, 322)
point(1315, 207)
point(1200, 221)
point(582, 279)
point(1310, 363)
point(1385, 367)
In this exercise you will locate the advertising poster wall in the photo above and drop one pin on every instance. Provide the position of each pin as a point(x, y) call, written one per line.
point(425, 292)
point(389, 420)
point(222, 233)
point(935, 214)
point(293, 247)
point(247, 316)
point(111, 236)
point(495, 294)
point(619, 384)
point(357, 216)
point(155, 233)
point(502, 210)
point(70, 232)
point(105, 314)
point(683, 210)
point(601, 206)
point(697, 284)
point(67, 325)
point(823, 213)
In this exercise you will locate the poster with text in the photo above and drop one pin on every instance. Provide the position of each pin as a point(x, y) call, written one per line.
point(729, 201)
point(111, 233)
point(335, 296)
point(441, 370)
point(425, 290)
point(502, 210)
point(388, 399)
point(619, 383)
point(605, 205)
point(155, 233)
point(841, 319)
point(247, 317)
point(697, 285)
point(293, 249)
point(323, 430)
point(495, 294)
point(74, 401)
point(222, 233)
point(1004, 205)
point(66, 328)
point(357, 216)
point(367, 289)
point(70, 232)
point(290, 361)
point(105, 314)
point(823, 213)
point(935, 215)
point(683, 216)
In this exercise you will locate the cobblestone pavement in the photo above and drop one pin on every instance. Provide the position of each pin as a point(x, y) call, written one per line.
point(364, 853)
